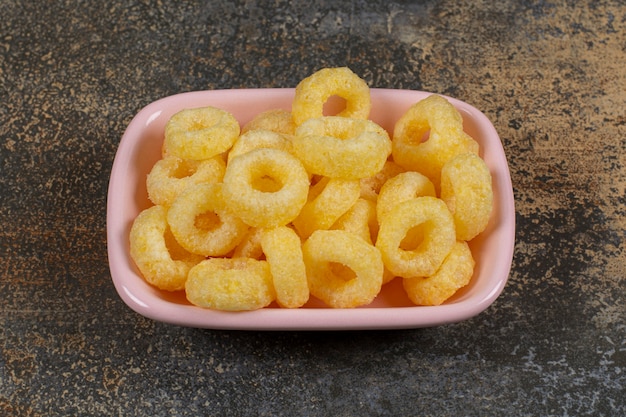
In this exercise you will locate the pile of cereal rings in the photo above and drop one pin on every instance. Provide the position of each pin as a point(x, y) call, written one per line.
point(297, 203)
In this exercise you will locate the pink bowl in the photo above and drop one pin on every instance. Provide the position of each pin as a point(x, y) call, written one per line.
point(140, 148)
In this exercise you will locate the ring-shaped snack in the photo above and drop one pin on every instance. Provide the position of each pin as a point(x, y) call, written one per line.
point(255, 139)
point(314, 91)
point(360, 220)
point(339, 147)
point(200, 133)
point(282, 248)
point(415, 237)
point(161, 261)
point(466, 188)
point(266, 187)
point(275, 120)
point(201, 222)
point(327, 201)
point(370, 187)
point(171, 176)
point(343, 270)
point(230, 284)
point(429, 134)
point(402, 187)
point(455, 272)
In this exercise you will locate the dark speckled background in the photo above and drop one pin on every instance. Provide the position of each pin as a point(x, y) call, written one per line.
point(550, 75)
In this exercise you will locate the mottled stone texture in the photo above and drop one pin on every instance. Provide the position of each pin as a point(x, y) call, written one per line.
point(550, 75)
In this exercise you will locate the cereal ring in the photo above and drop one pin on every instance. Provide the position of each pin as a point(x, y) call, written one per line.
point(466, 188)
point(455, 272)
point(314, 91)
point(338, 147)
point(266, 187)
point(200, 133)
point(250, 246)
point(328, 200)
point(402, 187)
point(370, 187)
point(360, 220)
point(343, 270)
point(236, 284)
point(255, 139)
point(201, 222)
point(282, 248)
point(415, 237)
point(436, 117)
point(275, 120)
point(171, 176)
point(161, 261)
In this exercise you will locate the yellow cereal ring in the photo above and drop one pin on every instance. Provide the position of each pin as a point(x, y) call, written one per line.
point(282, 248)
point(255, 139)
point(266, 187)
point(275, 120)
point(328, 200)
point(343, 270)
point(236, 284)
point(370, 187)
point(201, 222)
point(250, 246)
point(171, 176)
point(466, 188)
point(200, 133)
point(415, 237)
point(314, 91)
point(155, 252)
point(455, 272)
point(436, 117)
point(338, 147)
point(402, 187)
point(360, 220)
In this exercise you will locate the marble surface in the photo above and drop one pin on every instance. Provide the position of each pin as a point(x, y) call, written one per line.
point(550, 75)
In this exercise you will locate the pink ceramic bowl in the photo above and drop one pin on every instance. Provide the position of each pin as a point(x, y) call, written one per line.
point(140, 148)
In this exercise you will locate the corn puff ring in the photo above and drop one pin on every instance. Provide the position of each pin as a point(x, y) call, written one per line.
point(343, 270)
point(360, 220)
point(328, 200)
point(200, 133)
point(436, 117)
point(266, 187)
point(235, 284)
point(455, 272)
point(370, 187)
point(201, 223)
point(282, 248)
point(402, 187)
point(314, 91)
point(171, 176)
point(155, 252)
point(415, 237)
point(466, 189)
point(255, 139)
point(275, 120)
point(250, 246)
point(338, 147)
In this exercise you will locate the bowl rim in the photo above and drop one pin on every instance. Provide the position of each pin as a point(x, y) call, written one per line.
point(136, 293)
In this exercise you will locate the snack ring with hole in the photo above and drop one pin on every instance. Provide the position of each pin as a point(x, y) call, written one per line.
point(230, 284)
point(455, 272)
point(314, 91)
point(266, 187)
point(201, 222)
point(343, 270)
point(200, 133)
point(161, 261)
point(171, 176)
point(339, 147)
point(466, 188)
point(415, 237)
point(275, 120)
point(255, 139)
point(436, 117)
point(402, 187)
point(283, 252)
point(327, 201)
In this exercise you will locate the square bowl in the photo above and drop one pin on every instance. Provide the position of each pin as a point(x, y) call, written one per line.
point(140, 148)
